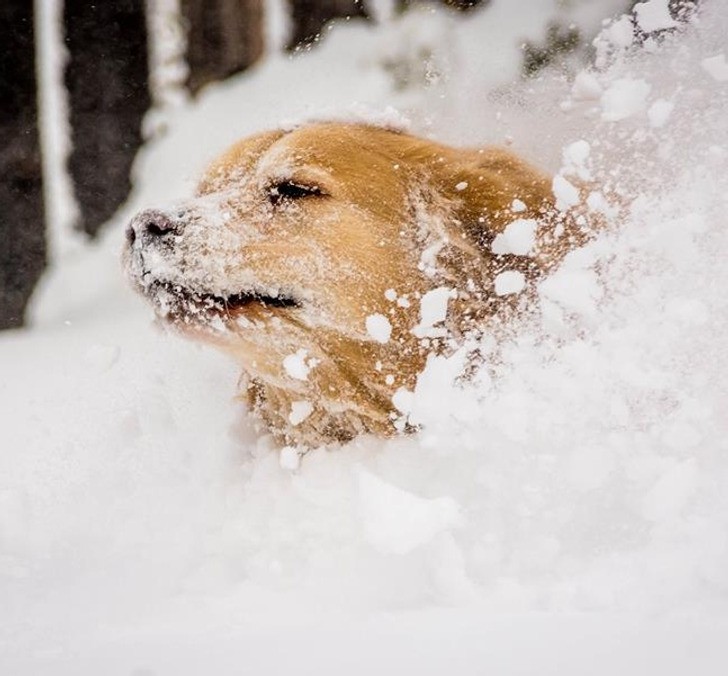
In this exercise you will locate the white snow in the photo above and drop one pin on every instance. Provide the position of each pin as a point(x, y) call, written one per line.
point(461, 186)
point(379, 328)
point(562, 512)
point(300, 410)
point(716, 66)
point(296, 365)
point(586, 87)
point(396, 521)
point(654, 15)
point(566, 193)
point(61, 210)
point(659, 112)
point(102, 357)
point(402, 400)
point(576, 159)
point(625, 97)
point(433, 311)
point(575, 289)
point(290, 458)
point(508, 282)
point(518, 238)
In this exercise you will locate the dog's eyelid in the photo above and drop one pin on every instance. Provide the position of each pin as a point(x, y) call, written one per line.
point(293, 190)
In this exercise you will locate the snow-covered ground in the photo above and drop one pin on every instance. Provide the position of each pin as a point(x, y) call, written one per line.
point(566, 513)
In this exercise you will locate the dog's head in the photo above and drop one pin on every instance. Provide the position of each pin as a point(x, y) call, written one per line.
point(331, 258)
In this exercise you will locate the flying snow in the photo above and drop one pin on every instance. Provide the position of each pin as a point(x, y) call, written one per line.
point(567, 496)
point(379, 328)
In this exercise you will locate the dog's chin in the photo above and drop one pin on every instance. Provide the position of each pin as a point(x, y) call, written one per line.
point(181, 306)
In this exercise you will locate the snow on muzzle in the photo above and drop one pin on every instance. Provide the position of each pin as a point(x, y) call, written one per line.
point(170, 260)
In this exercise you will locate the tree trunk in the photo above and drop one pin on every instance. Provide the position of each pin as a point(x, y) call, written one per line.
point(22, 231)
point(310, 16)
point(462, 5)
point(107, 82)
point(223, 37)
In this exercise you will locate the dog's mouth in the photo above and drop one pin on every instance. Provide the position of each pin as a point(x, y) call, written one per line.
point(175, 302)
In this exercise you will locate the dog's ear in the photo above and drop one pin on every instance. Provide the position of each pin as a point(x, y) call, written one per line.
point(481, 194)
point(489, 189)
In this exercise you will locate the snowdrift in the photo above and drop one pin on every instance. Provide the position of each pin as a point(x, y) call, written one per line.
point(563, 513)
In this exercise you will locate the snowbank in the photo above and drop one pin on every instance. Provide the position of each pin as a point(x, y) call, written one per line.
point(563, 513)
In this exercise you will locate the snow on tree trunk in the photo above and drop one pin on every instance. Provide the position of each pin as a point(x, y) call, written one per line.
point(223, 37)
point(108, 94)
point(22, 233)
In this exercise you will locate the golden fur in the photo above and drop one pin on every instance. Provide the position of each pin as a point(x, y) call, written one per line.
point(295, 238)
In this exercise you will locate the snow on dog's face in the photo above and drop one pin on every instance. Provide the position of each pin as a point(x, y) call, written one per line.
point(331, 259)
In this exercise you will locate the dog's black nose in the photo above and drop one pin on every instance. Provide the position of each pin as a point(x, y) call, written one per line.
point(150, 225)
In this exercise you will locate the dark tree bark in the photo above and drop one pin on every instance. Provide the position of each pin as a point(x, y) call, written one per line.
point(457, 4)
point(107, 81)
point(310, 16)
point(22, 231)
point(223, 37)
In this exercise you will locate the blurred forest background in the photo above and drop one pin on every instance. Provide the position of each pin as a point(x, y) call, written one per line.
point(109, 91)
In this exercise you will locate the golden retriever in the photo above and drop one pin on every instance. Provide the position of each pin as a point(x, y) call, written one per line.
point(332, 258)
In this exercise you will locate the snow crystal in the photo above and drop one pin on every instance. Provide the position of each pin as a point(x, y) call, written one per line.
point(300, 410)
point(586, 87)
point(575, 290)
point(597, 202)
point(517, 206)
point(379, 328)
point(296, 365)
point(433, 310)
point(566, 193)
point(716, 67)
point(624, 98)
point(461, 186)
point(576, 153)
point(575, 158)
point(518, 238)
point(396, 521)
point(390, 295)
point(654, 15)
point(509, 281)
point(621, 33)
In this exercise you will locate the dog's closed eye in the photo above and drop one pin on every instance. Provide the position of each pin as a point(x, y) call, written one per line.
point(289, 191)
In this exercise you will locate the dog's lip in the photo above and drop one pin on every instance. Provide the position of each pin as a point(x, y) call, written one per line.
point(242, 299)
point(220, 301)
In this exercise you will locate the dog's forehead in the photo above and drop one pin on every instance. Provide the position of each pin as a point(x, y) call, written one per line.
point(321, 146)
point(238, 161)
point(318, 150)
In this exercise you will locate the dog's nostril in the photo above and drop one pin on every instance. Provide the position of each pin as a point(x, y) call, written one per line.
point(158, 225)
point(155, 229)
point(154, 224)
